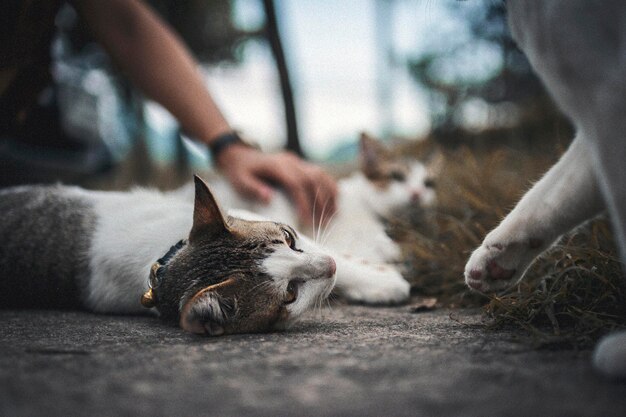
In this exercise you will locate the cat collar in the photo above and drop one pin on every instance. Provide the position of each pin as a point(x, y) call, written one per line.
point(157, 269)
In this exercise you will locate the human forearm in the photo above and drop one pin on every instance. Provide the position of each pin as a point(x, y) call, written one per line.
point(156, 61)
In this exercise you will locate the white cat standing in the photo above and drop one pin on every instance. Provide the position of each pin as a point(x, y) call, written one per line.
point(578, 48)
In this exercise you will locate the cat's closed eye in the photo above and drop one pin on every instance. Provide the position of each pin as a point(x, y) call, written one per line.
point(429, 183)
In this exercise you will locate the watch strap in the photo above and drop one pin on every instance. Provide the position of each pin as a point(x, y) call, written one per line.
point(224, 141)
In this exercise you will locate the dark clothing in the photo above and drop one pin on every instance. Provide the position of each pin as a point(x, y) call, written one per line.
point(33, 146)
point(26, 33)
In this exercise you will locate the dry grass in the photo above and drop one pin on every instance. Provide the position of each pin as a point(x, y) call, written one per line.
point(572, 295)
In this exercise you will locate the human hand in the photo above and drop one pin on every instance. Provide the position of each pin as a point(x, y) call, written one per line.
point(253, 173)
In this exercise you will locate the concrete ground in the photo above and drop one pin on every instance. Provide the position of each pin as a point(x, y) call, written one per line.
point(351, 361)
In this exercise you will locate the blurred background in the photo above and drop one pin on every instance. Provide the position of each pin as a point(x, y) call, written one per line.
point(309, 76)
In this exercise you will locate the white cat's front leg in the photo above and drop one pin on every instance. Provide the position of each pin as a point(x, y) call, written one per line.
point(386, 249)
point(565, 197)
point(363, 282)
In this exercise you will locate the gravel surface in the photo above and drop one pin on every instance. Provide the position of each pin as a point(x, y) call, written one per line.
point(348, 361)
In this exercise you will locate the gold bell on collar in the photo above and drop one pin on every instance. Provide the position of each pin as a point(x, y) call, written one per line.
point(148, 300)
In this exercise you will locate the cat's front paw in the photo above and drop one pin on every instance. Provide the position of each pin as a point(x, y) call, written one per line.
point(377, 285)
point(497, 266)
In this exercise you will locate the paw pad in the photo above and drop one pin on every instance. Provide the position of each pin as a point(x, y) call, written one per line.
point(476, 274)
point(495, 271)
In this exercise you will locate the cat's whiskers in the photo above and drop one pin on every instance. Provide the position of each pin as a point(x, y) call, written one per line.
point(314, 311)
point(331, 296)
point(319, 232)
point(322, 224)
point(330, 227)
point(320, 227)
point(316, 228)
point(318, 306)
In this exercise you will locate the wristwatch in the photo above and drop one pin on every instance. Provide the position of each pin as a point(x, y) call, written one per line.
point(226, 140)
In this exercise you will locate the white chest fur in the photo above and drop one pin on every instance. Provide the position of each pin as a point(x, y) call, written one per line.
point(357, 229)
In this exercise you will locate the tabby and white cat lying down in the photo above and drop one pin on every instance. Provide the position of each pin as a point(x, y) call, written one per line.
point(69, 247)
point(577, 47)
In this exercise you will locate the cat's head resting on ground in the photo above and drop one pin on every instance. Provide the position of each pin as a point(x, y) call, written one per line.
point(394, 181)
point(236, 276)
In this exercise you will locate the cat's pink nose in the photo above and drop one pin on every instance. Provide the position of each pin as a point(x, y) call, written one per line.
point(332, 267)
point(415, 196)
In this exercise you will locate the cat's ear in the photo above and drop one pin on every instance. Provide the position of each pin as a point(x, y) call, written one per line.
point(208, 219)
point(210, 309)
point(371, 153)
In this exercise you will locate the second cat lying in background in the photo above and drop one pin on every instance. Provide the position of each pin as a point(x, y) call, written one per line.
point(355, 236)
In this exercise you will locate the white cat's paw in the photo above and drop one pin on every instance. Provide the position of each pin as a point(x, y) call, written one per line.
point(496, 266)
point(609, 356)
point(377, 285)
